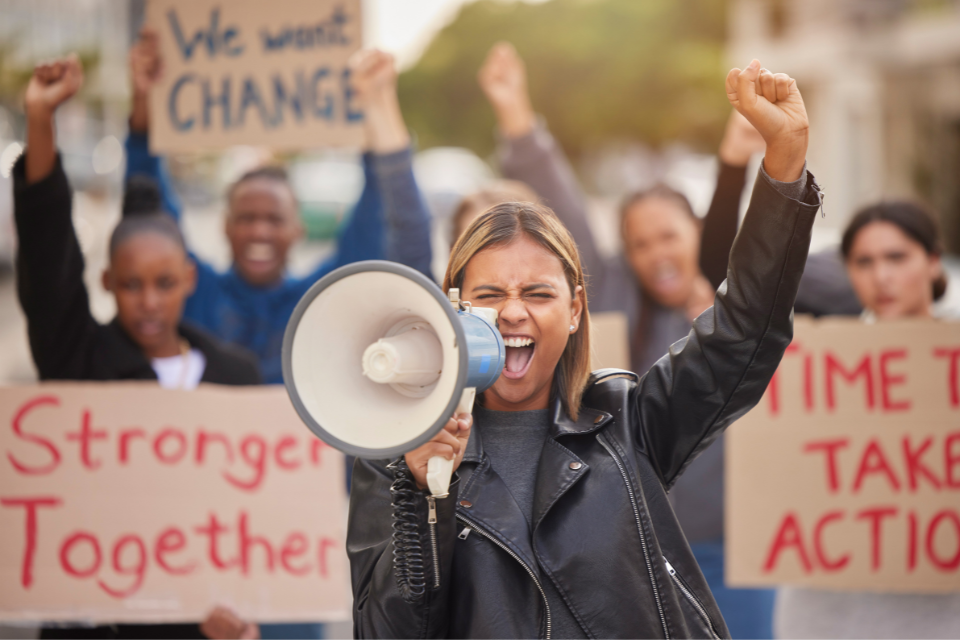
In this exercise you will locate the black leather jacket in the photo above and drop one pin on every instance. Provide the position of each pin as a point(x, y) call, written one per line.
point(603, 531)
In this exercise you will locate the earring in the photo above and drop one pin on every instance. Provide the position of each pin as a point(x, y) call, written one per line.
point(572, 328)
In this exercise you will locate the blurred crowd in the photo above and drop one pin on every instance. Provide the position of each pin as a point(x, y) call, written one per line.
point(181, 321)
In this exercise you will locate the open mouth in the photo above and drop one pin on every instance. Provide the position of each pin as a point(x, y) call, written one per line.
point(666, 277)
point(520, 351)
point(149, 328)
point(259, 253)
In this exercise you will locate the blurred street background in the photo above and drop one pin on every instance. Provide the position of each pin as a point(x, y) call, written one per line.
point(631, 89)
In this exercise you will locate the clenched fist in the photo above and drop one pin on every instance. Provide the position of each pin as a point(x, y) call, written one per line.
point(503, 78)
point(374, 79)
point(450, 443)
point(773, 105)
point(53, 84)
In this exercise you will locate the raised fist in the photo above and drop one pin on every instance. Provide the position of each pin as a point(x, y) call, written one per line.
point(145, 61)
point(773, 105)
point(374, 79)
point(53, 84)
point(374, 75)
point(503, 78)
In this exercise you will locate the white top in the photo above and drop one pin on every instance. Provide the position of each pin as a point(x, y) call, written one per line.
point(170, 370)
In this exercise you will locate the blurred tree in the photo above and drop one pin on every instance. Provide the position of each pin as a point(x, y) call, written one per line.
point(599, 70)
point(15, 74)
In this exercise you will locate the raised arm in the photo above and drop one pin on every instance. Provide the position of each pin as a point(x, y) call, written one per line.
point(529, 153)
point(721, 369)
point(390, 220)
point(146, 66)
point(49, 261)
point(740, 142)
point(407, 239)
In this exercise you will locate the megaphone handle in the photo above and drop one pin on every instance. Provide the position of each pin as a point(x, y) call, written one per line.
point(439, 469)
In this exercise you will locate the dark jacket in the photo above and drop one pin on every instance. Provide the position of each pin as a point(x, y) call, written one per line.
point(603, 530)
point(66, 341)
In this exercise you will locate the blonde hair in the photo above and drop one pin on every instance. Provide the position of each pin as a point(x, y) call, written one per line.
point(494, 193)
point(505, 223)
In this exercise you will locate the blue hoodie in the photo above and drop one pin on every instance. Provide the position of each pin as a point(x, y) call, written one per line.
point(389, 221)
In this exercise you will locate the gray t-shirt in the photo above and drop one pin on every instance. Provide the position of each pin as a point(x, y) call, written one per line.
point(513, 441)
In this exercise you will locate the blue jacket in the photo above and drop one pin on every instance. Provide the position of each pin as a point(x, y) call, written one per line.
point(389, 221)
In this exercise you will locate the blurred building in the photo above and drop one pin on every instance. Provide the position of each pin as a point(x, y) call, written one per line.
point(881, 81)
point(88, 129)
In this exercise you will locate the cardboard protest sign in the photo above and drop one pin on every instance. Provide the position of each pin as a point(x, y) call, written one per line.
point(126, 502)
point(253, 72)
point(847, 474)
point(610, 340)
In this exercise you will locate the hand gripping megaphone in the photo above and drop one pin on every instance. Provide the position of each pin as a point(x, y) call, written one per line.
point(376, 359)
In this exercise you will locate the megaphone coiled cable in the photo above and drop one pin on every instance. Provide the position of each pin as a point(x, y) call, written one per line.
point(408, 560)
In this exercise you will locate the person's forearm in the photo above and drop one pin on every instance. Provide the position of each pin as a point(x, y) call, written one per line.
point(516, 120)
point(140, 113)
point(41, 146)
point(386, 131)
point(141, 162)
point(784, 160)
point(720, 223)
point(405, 212)
point(537, 160)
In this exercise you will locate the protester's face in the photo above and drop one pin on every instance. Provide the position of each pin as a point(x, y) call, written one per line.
point(662, 244)
point(262, 224)
point(525, 283)
point(150, 277)
point(891, 273)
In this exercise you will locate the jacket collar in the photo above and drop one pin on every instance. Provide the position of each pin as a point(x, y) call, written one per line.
point(562, 424)
point(130, 361)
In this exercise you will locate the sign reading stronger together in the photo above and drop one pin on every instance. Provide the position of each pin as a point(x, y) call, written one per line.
point(254, 72)
point(847, 474)
point(127, 502)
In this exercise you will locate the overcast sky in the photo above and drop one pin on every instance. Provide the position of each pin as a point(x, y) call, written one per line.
point(405, 27)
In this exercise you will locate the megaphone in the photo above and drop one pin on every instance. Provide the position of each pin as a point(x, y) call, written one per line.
point(376, 359)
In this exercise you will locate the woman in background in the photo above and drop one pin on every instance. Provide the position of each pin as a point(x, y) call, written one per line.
point(892, 254)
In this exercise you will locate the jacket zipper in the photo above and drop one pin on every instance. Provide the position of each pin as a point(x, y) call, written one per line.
point(643, 540)
point(432, 523)
point(691, 597)
point(473, 526)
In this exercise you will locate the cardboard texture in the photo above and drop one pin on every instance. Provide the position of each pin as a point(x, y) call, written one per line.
point(846, 476)
point(254, 73)
point(124, 502)
point(610, 340)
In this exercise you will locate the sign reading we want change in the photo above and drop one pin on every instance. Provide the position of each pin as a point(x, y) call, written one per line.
point(847, 474)
point(254, 72)
point(124, 502)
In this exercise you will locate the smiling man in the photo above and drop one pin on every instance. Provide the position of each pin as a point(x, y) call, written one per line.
point(250, 303)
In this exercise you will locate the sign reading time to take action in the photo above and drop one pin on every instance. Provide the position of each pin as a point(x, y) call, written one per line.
point(847, 474)
point(256, 73)
point(125, 502)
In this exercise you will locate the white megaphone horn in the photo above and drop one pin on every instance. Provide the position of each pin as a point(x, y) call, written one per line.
point(376, 359)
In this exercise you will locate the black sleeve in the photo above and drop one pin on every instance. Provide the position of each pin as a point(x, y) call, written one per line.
point(720, 370)
point(380, 609)
point(720, 224)
point(50, 284)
